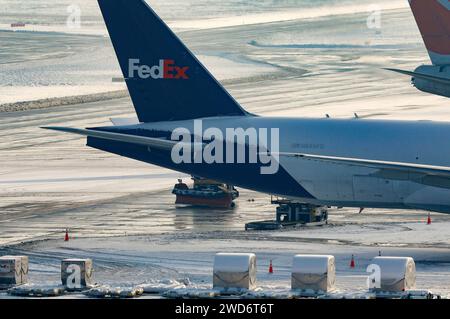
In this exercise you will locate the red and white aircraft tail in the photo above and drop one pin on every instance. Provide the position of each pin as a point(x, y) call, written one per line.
point(433, 19)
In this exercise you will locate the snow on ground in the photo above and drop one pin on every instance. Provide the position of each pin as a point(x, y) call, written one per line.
point(143, 237)
point(136, 260)
point(33, 93)
point(121, 213)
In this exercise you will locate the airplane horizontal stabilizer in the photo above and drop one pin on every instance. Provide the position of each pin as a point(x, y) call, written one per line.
point(421, 76)
point(152, 142)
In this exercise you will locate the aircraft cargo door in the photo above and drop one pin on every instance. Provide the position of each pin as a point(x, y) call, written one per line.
point(373, 189)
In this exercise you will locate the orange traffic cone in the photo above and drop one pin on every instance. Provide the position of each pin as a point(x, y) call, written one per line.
point(66, 238)
point(352, 262)
point(270, 267)
point(429, 219)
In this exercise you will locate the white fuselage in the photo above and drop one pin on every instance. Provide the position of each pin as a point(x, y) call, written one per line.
point(333, 184)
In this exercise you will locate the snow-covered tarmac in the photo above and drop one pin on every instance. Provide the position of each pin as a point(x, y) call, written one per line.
point(138, 242)
point(121, 213)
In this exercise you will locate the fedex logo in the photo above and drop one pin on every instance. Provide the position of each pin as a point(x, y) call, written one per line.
point(166, 69)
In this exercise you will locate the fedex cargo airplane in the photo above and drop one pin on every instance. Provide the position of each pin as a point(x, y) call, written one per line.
point(189, 123)
point(433, 20)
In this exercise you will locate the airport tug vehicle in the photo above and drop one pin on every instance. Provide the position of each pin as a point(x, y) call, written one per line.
point(205, 192)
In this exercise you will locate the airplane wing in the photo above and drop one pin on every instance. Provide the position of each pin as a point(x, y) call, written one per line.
point(124, 121)
point(157, 143)
point(438, 176)
point(421, 76)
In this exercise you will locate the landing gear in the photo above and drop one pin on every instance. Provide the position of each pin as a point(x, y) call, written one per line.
point(300, 213)
point(292, 214)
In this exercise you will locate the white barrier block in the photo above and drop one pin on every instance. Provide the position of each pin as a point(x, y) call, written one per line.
point(313, 272)
point(77, 274)
point(234, 271)
point(13, 271)
point(397, 273)
point(24, 267)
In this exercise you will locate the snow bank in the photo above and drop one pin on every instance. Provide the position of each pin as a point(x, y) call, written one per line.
point(55, 28)
point(36, 291)
point(268, 294)
point(60, 101)
point(397, 273)
point(234, 271)
point(163, 286)
point(191, 293)
point(313, 272)
point(114, 292)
